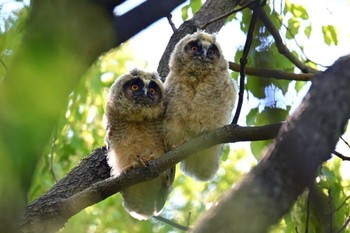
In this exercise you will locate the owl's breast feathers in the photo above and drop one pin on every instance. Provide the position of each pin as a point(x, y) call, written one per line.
point(132, 142)
point(197, 106)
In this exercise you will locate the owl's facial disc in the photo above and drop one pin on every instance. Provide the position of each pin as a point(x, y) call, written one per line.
point(202, 50)
point(142, 93)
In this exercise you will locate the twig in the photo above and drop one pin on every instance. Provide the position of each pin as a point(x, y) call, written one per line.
point(172, 223)
point(172, 25)
point(189, 218)
point(226, 15)
point(341, 137)
point(4, 64)
point(330, 203)
point(53, 148)
point(344, 226)
point(296, 42)
point(265, 73)
point(343, 157)
point(281, 46)
point(342, 204)
point(307, 212)
point(244, 60)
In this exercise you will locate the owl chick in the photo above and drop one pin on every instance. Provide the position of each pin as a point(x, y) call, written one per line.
point(200, 96)
point(134, 114)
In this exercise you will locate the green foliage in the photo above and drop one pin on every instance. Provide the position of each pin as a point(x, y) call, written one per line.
point(81, 129)
point(330, 34)
point(11, 31)
point(193, 5)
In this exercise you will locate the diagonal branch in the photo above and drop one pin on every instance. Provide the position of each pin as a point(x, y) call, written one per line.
point(282, 48)
point(289, 166)
point(92, 183)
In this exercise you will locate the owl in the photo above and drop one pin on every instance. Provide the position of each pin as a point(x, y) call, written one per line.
point(200, 96)
point(134, 115)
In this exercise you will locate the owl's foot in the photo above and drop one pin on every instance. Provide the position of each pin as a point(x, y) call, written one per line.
point(141, 161)
point(136, 161)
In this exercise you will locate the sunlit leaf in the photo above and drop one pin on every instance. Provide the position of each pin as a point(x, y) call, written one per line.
point(307, 31)
point(293, 28)
point(184, 11)
point(330, 35)
point(250, 118)
point(195, 5)
point(299, 11)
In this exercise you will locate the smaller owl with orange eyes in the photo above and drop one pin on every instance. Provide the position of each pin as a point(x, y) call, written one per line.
point(135, 112)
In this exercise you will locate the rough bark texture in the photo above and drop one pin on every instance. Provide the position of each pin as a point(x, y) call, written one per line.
point(305, 141)
point(41, 215)
point(88, 183)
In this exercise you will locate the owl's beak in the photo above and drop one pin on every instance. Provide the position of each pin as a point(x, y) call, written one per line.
point(145, 91)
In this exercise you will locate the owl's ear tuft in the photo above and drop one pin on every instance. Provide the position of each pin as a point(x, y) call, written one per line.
point(135, 72)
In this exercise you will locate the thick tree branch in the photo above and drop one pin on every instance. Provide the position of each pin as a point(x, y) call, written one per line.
point(139, 18)
point(90, 182)
point(304, 142)
point(277, 74)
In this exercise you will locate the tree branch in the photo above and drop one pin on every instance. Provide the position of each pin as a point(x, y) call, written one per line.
point(90, 182)
point(244, 60)
point(280, 45)
point(289, 166)
point(277, 74)
point(139, 18)
point(339, 155)
point(224, 16)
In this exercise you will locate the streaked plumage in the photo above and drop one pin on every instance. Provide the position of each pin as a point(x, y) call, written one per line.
point(134, 113)
point(200, 96)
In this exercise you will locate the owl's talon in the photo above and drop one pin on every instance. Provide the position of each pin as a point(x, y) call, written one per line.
point(140, 160)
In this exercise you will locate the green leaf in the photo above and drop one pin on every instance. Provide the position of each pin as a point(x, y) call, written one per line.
point(299, 85)
point(184, 12)
point(258, 148)
point(250, 118)
point(256, 86)
point(330, 35)
point(271, 115)
point(195, 5)
point(299, 11)
point(307, 31)
point(293, 28)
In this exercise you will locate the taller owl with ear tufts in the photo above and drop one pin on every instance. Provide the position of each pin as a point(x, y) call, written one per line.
point(200, 96)
point(134, 113)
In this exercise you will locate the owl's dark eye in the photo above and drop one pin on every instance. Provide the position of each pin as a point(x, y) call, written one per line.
point(152, 91)
point(210, 52)
point(134, 87)
point(194, 48)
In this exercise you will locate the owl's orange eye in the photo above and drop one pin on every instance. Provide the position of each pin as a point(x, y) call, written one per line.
point(194, 48)
point(134, 87)
point(152, 91)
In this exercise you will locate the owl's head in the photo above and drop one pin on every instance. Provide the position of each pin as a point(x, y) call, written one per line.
point(137, 95)
point(199, 49)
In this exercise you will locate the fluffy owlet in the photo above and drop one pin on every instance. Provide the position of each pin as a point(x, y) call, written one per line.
point(200, 96)
point(134, 113)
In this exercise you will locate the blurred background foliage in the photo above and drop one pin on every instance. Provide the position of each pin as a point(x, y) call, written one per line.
point(80, 129)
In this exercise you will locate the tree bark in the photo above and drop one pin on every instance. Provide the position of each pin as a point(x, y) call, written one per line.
point(89, 182)
point(305, 141)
